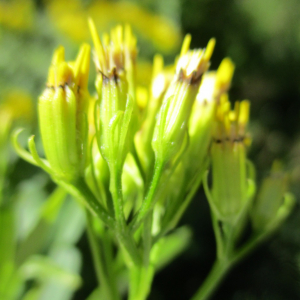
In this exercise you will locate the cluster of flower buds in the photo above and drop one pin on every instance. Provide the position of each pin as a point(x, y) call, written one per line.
point(138, 169)
point(214, 86)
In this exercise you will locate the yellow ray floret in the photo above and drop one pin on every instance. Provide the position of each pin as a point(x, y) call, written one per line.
point(116, 50)
point(231, 124)
point(193, 63)
point(74, 74)
point(186, 44)
point(224, 75)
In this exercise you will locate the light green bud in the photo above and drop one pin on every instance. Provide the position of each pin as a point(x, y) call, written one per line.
point(229, 161)
point(273, 202)
point(63, 114)
point(160, 81)
point(173, 117)
point(116, 91)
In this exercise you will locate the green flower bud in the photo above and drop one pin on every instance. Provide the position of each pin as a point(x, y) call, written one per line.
point(229, 161)
point(273, 203)
point(172, 121)
point(97, 177)
point(194, 162)
point(143, 139)
point(63, 114)
point(213, 86)
point(132, 186)
point(115, 88)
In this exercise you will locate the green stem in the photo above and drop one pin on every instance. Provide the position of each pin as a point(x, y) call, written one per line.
point(147, 238)
point(222, 265)
point(108, 284)
point(124, 237)
point(149, 199)
point(141, 276)
point(140, 282)
point(218, 236)
point(249, 246)
point(174, 213)
point(138, 162)
point(80, 191)
point(117, 196)
point(217, 273)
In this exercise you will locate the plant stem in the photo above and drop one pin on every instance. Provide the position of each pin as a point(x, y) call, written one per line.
point(117, 196)
point(223, 264)
point(141, 276)
point(249, 246)
point(174, 213)
point(80, 191)
point(149, 199)
point(215, 276)
point(140, 282)
point(122, 233)
point(138, 162)
point(108, 284)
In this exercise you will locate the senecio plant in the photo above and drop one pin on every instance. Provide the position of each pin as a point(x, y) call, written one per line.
point(136, 169)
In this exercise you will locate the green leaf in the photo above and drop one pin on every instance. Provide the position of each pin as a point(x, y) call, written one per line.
point(9, 282)
point(57, 274)
point(169, 247)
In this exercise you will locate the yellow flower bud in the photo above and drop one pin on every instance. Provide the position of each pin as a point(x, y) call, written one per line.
point(115, 63)
point(171, 126)
point(63, 113)
point(160, 82)
point(229, 160)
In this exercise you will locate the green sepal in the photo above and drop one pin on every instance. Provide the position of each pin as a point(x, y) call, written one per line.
point(41, 162)
point(125, 129)
point(19, 149)
point(158, 134)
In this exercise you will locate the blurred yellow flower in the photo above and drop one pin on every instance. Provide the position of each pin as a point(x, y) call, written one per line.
point(17, 105)
point(17, 14)
point(70, 17)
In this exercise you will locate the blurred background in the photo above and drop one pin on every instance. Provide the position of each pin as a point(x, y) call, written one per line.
point(261, 37)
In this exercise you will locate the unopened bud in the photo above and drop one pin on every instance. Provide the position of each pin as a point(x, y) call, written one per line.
point(271, 202)
point(171, 126)
point(229, 160)
point(115, 59)
point(63, 113)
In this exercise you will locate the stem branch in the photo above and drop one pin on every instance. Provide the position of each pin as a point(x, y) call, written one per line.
point(108, 284)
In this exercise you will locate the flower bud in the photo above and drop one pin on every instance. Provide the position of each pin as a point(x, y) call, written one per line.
point(224, 77)
point(213, 86)
point(115, 84)
point(229, 160)
point(160, 81)
point(272, 202)
point(172, 121)
point(63, 113)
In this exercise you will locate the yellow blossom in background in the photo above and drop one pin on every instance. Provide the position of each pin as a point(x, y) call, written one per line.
point(17, 105)
point(70, 17)
point(144, 72)
point(17, 14)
